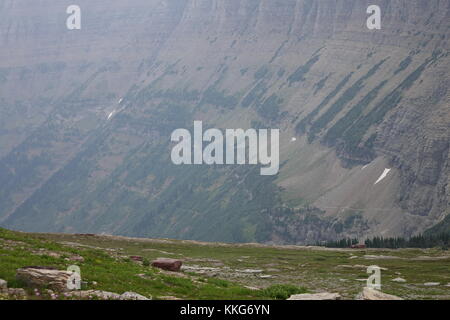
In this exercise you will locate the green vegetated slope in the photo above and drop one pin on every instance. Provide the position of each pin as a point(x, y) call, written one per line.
point(223, 271)
point(95, 155)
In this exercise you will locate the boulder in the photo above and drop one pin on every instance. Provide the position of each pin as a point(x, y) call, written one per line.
point(3, 284)
point(372, 294)
point(251, 288)
point(105, 295)
point(169, 298)
point(91, 294)
point(316, 296)
point(252, 271)
point(167, 264)
point(132, 296)
point(398, 280)
point(431, 284)
point(13, 293)
point(44, 277)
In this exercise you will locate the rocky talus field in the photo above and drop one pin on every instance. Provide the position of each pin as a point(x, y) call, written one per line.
point(33, 266)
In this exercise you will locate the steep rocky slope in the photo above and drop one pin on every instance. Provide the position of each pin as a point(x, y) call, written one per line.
point(86, 117)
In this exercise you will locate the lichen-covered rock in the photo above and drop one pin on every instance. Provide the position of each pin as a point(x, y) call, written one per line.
point(94, 294)
point(399, 280)
point(13, 293)
point(167, 298)
point(431, 284)
point(316, 296)
point(132, 296)
point(372, 294)
point(105, 295)
point(44, 277)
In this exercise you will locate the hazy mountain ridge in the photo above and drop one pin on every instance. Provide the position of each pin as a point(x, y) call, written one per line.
point(307, 67)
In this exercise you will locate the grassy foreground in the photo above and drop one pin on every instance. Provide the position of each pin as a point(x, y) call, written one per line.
point(225, 271)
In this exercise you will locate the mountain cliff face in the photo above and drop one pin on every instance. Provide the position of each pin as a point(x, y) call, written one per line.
point(86, 117)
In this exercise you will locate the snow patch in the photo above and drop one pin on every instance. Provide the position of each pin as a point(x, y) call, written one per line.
point(111, 114)
point(383, 175)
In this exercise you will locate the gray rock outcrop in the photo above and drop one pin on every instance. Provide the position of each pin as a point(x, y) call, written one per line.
point(316, 296)
point(372, 294)
point(44, 277)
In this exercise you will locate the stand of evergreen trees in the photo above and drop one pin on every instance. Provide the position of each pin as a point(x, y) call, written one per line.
point(421, 241)
point(343, 243)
